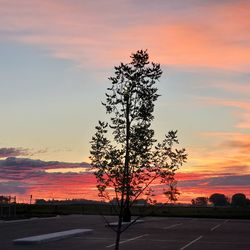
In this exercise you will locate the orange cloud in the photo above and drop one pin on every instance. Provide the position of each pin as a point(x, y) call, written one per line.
point(85, 34)
point(190, 45)
point(24, 177)
point(229, 103)
point(80, 186)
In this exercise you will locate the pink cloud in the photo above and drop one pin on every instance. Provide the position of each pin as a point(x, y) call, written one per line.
point(12, 152)
point(195, 187)
point(86, 34)
point(224, 102)
point(244, 122)
point(23, 177)
point(74, 186)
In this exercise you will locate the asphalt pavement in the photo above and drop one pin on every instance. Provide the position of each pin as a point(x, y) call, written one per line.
point(153, 233)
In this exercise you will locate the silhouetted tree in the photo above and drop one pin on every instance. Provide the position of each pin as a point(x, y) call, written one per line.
point(132, 163)
point(172, 192)
point(5, 199)
point(219, 199)
point(200, 201)
point(239, 199)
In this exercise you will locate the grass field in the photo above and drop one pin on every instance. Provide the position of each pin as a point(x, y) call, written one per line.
point(26, 211)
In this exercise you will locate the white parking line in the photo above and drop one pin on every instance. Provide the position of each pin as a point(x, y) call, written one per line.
point(172, 226)
point(23, 220)
point(32, 219)
point(95, 238)
point(37, 239)
point(227, 243)
point(213, 228)
point(124, 241)
point(192, 242)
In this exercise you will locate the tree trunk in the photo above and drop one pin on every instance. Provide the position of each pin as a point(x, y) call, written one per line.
point(127, 212)
point(118, 234)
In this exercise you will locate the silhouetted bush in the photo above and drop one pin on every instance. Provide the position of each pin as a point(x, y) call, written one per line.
point(239, 199)
point(200, 201)
point(219, 199)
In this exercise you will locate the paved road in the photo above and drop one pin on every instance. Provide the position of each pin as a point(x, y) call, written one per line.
point(154, 233)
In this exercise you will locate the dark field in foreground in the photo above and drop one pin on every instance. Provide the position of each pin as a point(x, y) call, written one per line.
point(27, 211)
point(155, 233)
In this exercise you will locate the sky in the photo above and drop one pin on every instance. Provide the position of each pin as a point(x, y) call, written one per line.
point(55, 60)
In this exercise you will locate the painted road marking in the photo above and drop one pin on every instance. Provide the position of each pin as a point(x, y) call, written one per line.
point(115, 224)
point(50, 237)
point(226, 243)
point(23, 220)
point(96, 238)
point(172, 226)
point(131, 239)
point(32, 219)
point(192, 242)
point(213, 228)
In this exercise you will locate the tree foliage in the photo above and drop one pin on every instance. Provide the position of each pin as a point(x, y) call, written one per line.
point(124, 153)
point(200, 201)
point(5, 199)
point(239, 199)
point(219, 199)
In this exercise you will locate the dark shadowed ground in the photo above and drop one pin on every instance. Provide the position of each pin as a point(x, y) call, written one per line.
point(154, 233)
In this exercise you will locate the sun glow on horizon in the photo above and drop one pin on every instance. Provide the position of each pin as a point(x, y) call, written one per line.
point(68, 170)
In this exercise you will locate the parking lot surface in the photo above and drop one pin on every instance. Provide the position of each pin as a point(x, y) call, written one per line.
point(153, 233)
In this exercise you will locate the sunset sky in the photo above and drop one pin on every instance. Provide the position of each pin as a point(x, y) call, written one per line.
point(55, 60)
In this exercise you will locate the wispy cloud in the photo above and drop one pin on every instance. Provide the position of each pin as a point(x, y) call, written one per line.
point(224, 154)
point(240, 109)
point(12, 187)
point(228, 185)
point(233, 180)
point(91, 33)
point(11, 152)
point(192, 185)
point(245, 105)
point(23, 176)
point(231, 87)
point(14, 168)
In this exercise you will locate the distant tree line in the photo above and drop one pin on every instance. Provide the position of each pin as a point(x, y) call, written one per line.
point(7, 199)
point(114, 201)
point(217, 199)
point(66, 202)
